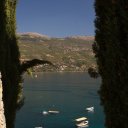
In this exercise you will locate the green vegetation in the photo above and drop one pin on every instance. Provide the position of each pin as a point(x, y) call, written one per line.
point(10, 66)
point(9, 55)
point(67, 54)
point(111, 49)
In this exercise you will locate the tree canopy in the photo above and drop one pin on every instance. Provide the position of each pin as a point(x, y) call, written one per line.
point(111, 49)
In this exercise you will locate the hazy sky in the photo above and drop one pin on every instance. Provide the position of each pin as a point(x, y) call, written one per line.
point(56, 18)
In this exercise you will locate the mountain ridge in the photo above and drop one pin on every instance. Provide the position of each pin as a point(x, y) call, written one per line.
point(38, 35)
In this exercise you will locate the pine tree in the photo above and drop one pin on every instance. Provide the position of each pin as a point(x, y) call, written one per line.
point(111, 49)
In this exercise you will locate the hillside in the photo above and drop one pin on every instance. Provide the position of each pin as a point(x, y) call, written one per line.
point(68, 54)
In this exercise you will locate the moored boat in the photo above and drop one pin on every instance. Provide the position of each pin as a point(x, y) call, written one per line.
point(82, 122)
point(53, 112)
point(45, 113)
point(90, 109)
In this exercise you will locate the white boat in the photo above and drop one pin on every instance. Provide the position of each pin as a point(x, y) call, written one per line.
point(90, 109)
point(45, 113)
point(53, 112)
point(82, 122)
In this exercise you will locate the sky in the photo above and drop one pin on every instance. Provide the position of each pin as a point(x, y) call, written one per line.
point(56, 18)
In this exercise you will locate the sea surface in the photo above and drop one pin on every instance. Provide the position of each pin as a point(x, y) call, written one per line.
point(69, 93)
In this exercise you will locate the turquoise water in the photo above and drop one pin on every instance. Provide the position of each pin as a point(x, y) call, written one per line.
point(70, 93)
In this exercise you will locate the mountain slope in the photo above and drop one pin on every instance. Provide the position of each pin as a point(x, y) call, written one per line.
point(68, 54)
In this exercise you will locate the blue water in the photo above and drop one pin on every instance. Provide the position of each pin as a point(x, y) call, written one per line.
point(70, 93)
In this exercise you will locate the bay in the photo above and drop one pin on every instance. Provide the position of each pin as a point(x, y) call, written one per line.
point(69, 93)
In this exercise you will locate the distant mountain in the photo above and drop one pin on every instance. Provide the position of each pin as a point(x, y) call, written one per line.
point(32, 37)
point(68, 54)
point(87, 38)
point(36, 37)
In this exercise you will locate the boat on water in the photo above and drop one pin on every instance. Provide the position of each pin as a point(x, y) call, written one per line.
point(50, 112)
point(90, 109)
point(53, 112)
point(45, 113)
point(82, 122)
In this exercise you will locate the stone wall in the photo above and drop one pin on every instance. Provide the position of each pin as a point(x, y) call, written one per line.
point(2, 117)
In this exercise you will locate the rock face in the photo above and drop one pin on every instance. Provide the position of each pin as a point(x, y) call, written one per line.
point(2, 117)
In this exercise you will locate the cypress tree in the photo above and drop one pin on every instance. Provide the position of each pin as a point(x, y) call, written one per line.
point(10, 66)
point(9, 56)
point(111, 49)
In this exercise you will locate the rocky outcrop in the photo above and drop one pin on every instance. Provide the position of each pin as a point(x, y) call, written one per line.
point(2, 117)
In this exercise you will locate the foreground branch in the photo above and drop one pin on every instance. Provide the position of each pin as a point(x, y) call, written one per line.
point(32, 63)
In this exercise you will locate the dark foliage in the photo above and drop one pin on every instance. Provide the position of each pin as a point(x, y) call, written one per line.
point(93, 72)
point(28, 64)
point(111, 49)
point(9, 60)
point(10, 66)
